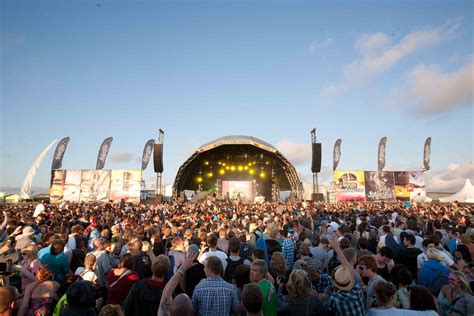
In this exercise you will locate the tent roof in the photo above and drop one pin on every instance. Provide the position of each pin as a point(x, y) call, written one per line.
point(466, 194)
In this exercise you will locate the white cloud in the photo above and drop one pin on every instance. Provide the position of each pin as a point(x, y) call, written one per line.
point(369, 44)
point(378, 55)
point(296, 153)
point(315, 46)
point(433, 91)
point(452, 179)
point(121, 156)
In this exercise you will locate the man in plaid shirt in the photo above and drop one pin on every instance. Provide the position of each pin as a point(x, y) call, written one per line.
point(214, 296)
point(287, 247)
point(348, 300)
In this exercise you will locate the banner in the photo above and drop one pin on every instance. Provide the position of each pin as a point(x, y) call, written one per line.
point(417, 186)
point(59, 153)
point(103, 152)
point(95, 185)
point(72, 186)
point(381, 154)
point(402, 181)
point(56, 191)
point(379, 185)
point(427, 153)
point(349, 185)
point(336, 156)
point(26, 186)
point(147, 153)
point(125, 184)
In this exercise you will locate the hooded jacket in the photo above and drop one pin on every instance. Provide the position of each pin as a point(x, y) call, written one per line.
point(430, 272)
point(144, 298)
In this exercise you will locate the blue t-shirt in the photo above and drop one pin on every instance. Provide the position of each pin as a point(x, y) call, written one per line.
point(58, 264)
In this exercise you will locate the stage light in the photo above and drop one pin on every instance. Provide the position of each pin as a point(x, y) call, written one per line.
point(249, 164)
point(199, 179)
point(227, 167)
point(223, 164)
point(262, 175)
point(267, 163)
point(222, 171)
point(246, 168)
point(209, 174)
point(240, 168)
point(252, 171)
point(232, 168)
point(206, 163)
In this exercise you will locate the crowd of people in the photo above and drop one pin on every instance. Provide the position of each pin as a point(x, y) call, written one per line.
point(229, 258)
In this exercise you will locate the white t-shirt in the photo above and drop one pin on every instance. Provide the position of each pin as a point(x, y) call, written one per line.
point(216, 253)
point(39, 209)
point(422, 258)
point(87, 275)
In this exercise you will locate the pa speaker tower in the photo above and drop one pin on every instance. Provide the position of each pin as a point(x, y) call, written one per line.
point(316, 162)
point(158, 158)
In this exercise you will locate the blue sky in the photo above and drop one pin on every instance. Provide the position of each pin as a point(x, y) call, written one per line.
point(270, 69)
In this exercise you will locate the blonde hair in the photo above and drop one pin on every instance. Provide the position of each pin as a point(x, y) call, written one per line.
point(146, 246)
point(298, 284)
point(463, 281)
point(278, 264)
point(433, 253)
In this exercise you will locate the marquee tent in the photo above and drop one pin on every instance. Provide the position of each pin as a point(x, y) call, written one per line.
point(466, 194)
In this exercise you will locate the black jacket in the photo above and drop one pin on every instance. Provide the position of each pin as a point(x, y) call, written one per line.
point(144, 298)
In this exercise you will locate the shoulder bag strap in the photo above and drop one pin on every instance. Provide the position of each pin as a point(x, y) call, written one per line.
point(124, 274)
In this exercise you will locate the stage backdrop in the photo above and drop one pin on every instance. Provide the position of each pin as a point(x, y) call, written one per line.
point(378, 185)
point(95, 185)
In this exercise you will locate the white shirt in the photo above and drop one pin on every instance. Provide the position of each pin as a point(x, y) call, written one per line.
point(422, 258)
point(216, 253)
point(87, 275)
point(39, 209)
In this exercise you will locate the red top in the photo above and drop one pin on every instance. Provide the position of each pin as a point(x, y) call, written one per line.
point(119, 291)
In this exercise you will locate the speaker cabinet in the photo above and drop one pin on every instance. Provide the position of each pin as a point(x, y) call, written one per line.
point(316, 161)
point(158, 157)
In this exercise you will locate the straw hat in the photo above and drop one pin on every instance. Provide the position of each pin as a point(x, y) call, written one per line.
point(343, 279)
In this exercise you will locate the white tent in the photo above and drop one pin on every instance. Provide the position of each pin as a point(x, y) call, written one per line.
point(466, 194)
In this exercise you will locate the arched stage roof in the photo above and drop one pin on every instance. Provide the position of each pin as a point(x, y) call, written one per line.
point(237, 149)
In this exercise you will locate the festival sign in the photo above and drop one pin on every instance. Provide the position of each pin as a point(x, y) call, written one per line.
point(125, 184)
point(379, 185)
point(417, 186)
point(72, 186)
point(402, 181)
point(95, 185)
point(56, 191)
point(349, 185)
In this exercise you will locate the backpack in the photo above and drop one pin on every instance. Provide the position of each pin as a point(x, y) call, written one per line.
point(333, 263)
point(230, 269)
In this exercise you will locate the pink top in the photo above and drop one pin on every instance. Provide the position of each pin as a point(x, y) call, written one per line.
point(33, 267)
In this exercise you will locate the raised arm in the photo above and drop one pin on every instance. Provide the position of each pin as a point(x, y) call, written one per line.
point(337, 248)
point(166, 299)
point(5, 221)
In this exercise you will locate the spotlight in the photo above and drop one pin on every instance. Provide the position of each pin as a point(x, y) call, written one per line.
point(199, 179)
point(240, 168)
point(246, 168)
point(206, 163)
point(227, 167)
point(223, 164)
point(232, 168)
point(262, 175)
point(251, 171)
point(221, 171)
point(209, 174)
